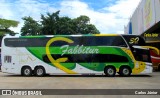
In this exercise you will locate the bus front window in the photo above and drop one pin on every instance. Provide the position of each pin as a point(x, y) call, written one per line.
point(141, 55)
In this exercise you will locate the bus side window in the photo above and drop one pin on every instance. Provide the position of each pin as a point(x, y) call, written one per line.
point(118, 41)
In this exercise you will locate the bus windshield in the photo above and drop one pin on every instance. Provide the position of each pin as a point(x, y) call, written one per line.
point(141, 54)
point(135, 41)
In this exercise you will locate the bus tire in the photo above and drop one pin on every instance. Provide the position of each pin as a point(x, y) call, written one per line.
point(125, 71)
point(26, 71)
point(110, 71)
point(39, 71)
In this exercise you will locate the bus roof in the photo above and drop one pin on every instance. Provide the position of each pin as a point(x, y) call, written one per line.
point(40, 36)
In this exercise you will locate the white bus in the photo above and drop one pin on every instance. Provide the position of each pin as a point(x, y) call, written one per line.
point(75, 54)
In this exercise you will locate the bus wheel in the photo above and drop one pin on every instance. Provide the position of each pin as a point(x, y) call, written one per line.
point(110, 71)
point(39, 71)
point(26, 71)
point(125, 71)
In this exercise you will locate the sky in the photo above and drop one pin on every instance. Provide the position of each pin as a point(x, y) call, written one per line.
point(109, 16)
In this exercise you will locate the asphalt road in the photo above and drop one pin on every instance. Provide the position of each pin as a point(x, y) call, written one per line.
point(151, 81)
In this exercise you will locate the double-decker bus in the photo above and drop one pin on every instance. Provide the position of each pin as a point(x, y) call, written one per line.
point(75, 54)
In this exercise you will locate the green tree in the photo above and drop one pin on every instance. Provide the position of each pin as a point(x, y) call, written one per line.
point(82, 26)
point(50, 23)
point(53, 24)
point(65, 26)
point(91, 29)
point(5, 25)
point(31, 27)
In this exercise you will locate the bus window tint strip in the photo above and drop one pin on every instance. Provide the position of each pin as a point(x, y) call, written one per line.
point(84, 40)
point(88, 58)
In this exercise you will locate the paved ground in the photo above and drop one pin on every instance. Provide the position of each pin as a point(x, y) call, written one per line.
point(151, 81)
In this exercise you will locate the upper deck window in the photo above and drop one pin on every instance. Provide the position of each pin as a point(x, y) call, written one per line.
point(79, 40)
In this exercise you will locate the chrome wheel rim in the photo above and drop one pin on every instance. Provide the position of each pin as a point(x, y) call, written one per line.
point(39, 72)
point(27, 71)
point(110, 71)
